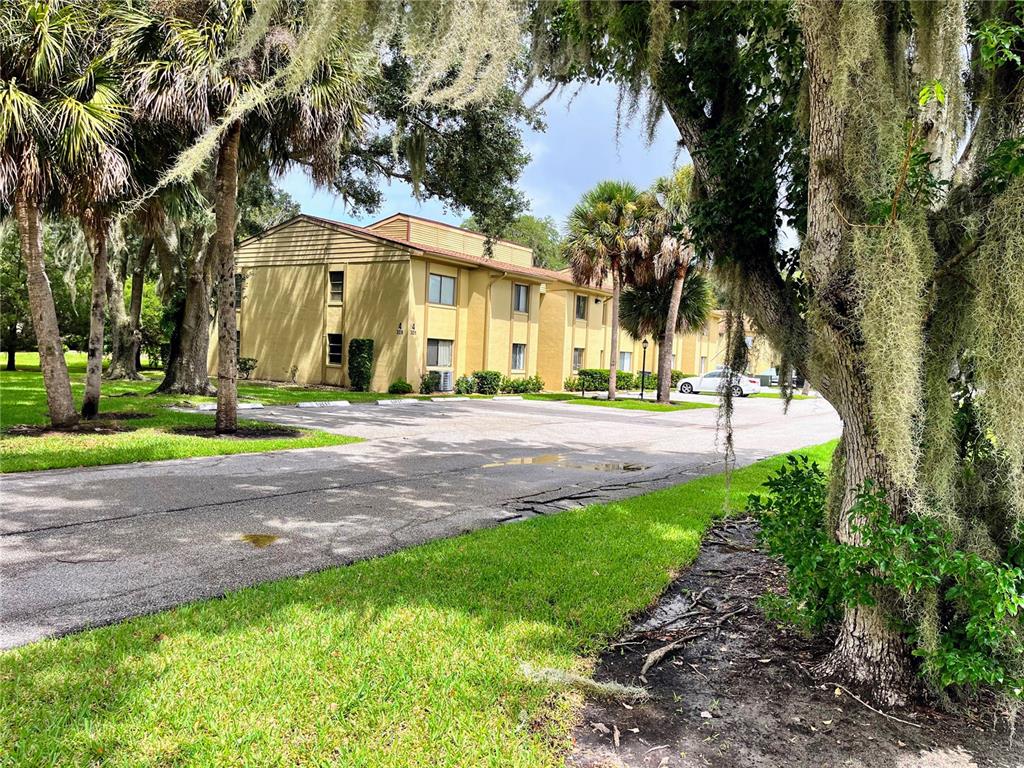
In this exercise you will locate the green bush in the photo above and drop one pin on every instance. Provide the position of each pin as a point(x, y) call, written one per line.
point(487, 382)
point(246, 365)
point(593, 379)
point(963, 613)
point(571, 384)
point(360, 364)
point(430, 382)
point(465, 385)
point(678, 376)
point(400, 387)
point(519, 386)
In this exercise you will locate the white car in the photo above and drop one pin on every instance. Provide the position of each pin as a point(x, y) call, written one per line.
point(717, 381)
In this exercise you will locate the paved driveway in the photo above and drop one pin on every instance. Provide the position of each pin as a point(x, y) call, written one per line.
point(90, 546)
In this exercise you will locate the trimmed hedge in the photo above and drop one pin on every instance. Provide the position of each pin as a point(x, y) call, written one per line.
point(596, 380)
point(487, 382)
point(360, 364)
point(465, 385)
point(400, 387)
point(521, 386)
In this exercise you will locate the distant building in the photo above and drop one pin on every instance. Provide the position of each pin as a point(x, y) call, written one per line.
point(431, 299)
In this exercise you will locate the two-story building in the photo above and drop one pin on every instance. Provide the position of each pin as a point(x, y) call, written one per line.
point(431, 298)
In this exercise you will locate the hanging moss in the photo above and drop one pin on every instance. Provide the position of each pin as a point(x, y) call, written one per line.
point(998, 274)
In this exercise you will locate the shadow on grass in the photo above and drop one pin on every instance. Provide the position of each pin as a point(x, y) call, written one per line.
point(409, 659)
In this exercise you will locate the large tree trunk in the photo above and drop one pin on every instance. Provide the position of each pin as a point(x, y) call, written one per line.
point(867, 650)
point(225, 206)
point(56, 381)
point(97, 315)
point(613, 363)
point(125, 335)
point(665, 350)
point(187, 369)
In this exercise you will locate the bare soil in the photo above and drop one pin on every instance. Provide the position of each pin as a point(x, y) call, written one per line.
point(737, 690)
point(104, 424)
point(242, 433)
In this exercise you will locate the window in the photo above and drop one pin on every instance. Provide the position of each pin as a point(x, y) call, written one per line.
point(239, 282)
point(337, 280)
point(441, 290)
point(334, 347)
point(581, 307)
point(520, 298)
point(518, 357)
point(238, 344)
point(577, 358)
point(625, 361)
point(439, 352)
point(703, 364)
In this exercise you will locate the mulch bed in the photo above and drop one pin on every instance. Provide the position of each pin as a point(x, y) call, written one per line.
point(242, 433)
point(729, 688)
point(105, 424)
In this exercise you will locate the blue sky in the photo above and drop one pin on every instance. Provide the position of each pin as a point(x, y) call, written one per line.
point(577, 150)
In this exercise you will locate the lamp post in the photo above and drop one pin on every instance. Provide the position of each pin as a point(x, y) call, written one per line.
point(643, 369)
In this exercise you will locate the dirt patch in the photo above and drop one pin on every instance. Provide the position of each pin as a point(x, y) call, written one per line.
point(242, 433)
point(98, 427)
point(729, 688)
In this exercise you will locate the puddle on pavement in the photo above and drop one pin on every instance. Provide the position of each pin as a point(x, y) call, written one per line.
point(259, 540)
point(558, 459)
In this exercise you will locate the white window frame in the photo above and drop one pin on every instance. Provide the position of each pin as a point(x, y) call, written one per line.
point(330, 286)
point(628, 365)
point(522, 348)
point(441, 360)
point(440, 289)
point(526, 298)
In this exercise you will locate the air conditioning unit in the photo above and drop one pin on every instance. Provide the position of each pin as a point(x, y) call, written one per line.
point(447, 381)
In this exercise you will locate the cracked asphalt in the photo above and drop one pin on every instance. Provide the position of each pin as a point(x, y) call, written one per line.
point(86, 547)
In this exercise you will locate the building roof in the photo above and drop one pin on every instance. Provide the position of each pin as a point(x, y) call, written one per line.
point(537, 273)
point(446, 225)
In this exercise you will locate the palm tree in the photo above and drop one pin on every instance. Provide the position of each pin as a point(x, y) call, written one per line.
point(57, 121)
point(201, 72)
point(604, 239)
point(646, 305)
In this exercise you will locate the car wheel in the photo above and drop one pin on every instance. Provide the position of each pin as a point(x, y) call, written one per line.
point(737, 390)
point(686, 388)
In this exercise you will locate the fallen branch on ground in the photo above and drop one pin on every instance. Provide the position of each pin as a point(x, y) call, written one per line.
point(876, 711)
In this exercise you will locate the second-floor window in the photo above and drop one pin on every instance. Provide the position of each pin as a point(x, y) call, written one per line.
point(581, 307)
point(439, 353)
point(337, 280)
point(441, 290)
point(520, 298)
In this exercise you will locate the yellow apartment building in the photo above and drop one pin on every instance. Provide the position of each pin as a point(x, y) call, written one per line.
point(431, 299)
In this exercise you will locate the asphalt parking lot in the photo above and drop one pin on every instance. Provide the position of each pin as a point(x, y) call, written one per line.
point(86, 547)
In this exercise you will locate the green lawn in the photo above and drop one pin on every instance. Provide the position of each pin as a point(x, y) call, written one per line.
point(23, 401)
point(778, 396)
point(407, 660)
point(627, 404)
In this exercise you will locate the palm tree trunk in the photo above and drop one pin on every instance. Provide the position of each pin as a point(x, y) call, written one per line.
point(613, 364)
point(56, 381)
point(225, 205)
point(97, 316)
point(665, 350)
point(135, 300)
